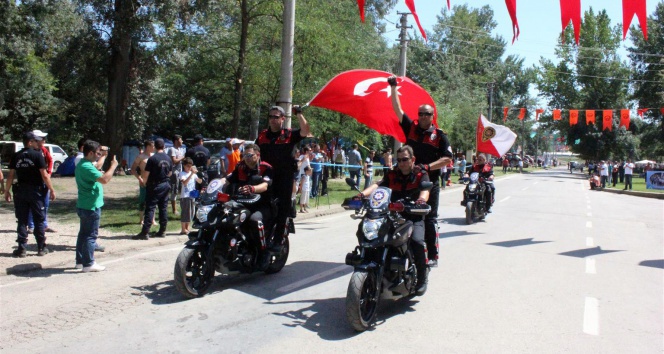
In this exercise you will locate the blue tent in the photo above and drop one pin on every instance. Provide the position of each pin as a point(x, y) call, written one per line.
point(67, 167)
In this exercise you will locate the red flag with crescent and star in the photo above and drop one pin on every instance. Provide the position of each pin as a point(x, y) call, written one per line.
point(366, 96)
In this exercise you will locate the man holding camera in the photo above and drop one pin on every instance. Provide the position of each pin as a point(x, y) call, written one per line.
point(432, 151)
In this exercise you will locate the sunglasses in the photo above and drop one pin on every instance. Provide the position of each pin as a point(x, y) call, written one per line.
point(249, 155)
point(274, 117)
point(424, 114)
point(403, 159)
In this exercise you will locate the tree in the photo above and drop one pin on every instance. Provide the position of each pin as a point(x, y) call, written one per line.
point(648, 80)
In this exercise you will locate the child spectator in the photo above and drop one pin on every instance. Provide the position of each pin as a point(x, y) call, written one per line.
point(188, 179)
point(305, 189)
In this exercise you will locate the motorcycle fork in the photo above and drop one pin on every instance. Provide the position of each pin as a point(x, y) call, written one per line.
point(210, 254)
point(381, 270)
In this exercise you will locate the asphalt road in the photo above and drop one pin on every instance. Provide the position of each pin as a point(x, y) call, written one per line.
point(555, 268)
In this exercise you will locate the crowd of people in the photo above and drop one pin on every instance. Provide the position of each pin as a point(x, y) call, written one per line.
point(609, 173)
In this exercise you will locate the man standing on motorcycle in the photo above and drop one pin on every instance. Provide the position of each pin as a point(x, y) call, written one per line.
point(277, 145)
point(485, 170)
point(404, 181)
point(433, 151)
point(243, 176)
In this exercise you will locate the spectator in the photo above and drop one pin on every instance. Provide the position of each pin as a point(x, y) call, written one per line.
point(305, 189)
point(603, 173)
point(621, 171)
point(355, 159)
point(156, 175)
point(176, 152)
point(368, 169)
point(49, 169)
point(339, 159)
point(235, 156)
point(614, 173)
point(223, 157)
point(506, 164)
point(326, 176)
point(188, 177)
point(462, 166)
point(137, 168)
point(629, 170)
point(317, 161)
point(89, 181)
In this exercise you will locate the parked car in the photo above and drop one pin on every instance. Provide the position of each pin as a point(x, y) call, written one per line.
point(9, 148)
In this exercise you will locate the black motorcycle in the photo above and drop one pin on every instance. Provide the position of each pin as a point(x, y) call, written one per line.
point(224, 241)
point(474, 197)
point(384, 262)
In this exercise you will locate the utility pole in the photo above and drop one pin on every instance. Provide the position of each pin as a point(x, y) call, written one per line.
point(490, 98)
point(286, 72)
point(403, 59)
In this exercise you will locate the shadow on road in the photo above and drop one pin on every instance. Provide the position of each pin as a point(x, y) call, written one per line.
point(327, 317)
point(654, 263)
point(37, 271)
point(457, 234)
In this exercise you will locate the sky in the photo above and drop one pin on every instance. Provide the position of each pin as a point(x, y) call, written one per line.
point(539, 21)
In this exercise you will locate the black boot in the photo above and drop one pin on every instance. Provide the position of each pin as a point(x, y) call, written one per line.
point(422, 281)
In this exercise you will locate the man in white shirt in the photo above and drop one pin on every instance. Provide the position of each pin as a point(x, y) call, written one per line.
point(176, 152)
point(629, 170)
point(603, 172)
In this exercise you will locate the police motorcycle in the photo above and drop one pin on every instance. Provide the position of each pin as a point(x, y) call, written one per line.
point(224, 242)
point(474, 197)
point(384, 264)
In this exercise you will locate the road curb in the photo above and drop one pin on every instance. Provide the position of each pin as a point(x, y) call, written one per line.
point(635, 193)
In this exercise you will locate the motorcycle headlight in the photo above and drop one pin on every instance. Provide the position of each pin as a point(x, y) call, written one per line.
point(370, 228)
point(472, 187)
point(202, 212)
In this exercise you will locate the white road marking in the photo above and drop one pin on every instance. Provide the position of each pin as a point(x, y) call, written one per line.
point(589, 224)
point(591, 316)
point(590, 242)
point(535, 183)
point(590, 266)
point(590, 214)
point(311, 279)
point(67, 271)
point(589, 207)
point(504, 199)
point(525, 188)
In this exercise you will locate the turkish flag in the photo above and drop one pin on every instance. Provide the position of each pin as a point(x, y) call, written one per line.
point(492, 138)
point(538, 111)
point(573, 117)
point(640, 111)
point(365, 95)
point(624, 118)
point(360, 4)
point(638, 8)
point(522, 113)
point(556, 114)
point(411, 7)
point(511, 8)
point(590, 116)
point(570, 10)
point(607, 120)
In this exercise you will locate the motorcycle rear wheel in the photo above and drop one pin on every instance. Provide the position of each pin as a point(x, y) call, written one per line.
point(279, 261)
point(362, 300)
point(469, 212)
point(190, 271)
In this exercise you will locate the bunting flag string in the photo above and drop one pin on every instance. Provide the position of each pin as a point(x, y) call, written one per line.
point(590, 117)
point(570, 10)
point(607, 116)
point(624, 118)
point(638, 8)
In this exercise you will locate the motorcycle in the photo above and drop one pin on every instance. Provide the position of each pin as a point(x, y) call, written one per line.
point(222, 244)
point(474, 197)
point(384, 265)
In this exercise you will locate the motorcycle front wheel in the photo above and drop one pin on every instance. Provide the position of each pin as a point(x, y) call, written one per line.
point(280, 260)
point(190, 273)
point(469, 212)
point(362, 300)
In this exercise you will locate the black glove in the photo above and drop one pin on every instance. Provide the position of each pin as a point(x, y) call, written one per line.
point(392, 80)
point(297, 109)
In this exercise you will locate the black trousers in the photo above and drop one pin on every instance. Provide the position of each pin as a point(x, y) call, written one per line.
point(431, 223)
point(26, 199)
point(283, 191)
point(417, 245)
point(156, 197)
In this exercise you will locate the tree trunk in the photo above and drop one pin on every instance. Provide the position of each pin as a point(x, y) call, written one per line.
point(122, 50)
point(239, 72)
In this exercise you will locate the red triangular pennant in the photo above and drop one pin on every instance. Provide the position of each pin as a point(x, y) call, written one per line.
point(573, 117)
point(522, 113)
point(511, 8)
point(590, 116)
point(411, 7)
point(624, 118)
point(448, 4)
point(630, 8)
point(570, 10)
point(538, 111)
point(607, 119)
point(360, 4)
point(556, 114)
point(640, 111)
point(505, 110)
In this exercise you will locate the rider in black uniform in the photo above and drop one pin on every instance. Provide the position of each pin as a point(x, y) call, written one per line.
point(404, 181)
point(250, 166)
point(33, 182)
point(277, 146)
point(433, 151)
